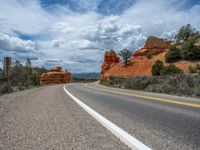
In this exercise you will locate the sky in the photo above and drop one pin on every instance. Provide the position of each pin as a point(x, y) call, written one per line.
point(75, 34)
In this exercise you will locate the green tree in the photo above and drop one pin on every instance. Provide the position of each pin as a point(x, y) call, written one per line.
point(157, 68)
point(189, 50)
point(126, 55)
point(173, 54)
point(185, 33)
point(170, 70)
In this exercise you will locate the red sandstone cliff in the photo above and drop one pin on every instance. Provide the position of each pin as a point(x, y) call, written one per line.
point(55, 75)
point(140, 64)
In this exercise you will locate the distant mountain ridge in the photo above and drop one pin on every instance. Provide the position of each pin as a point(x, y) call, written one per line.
point(86, 75)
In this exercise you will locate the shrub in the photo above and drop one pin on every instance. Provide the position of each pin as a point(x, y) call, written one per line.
point(197, 91)
point(173, 54)
point(170, 70)
point(116, 81)
point(138, 83)
point(149, 55)
point(157, 68)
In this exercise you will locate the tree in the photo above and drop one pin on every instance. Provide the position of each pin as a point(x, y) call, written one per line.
point(157, 68)
point(173, 54)
point(189, 50)
point(185, 33)
point(185, 45)
point(126, 55)
point(28, 63)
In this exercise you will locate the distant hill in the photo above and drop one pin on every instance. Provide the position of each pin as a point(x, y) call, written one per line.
point(88, 75)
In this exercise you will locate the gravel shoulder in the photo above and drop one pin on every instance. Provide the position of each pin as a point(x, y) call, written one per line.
point(46, 118)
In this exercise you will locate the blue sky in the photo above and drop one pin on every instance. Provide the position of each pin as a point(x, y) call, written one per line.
point(76, 33)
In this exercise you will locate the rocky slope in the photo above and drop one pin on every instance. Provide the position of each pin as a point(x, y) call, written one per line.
point(142, 61)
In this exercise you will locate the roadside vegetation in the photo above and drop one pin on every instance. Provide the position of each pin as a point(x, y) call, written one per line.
point(21, 78)
point(178, 84)
point(170, 79)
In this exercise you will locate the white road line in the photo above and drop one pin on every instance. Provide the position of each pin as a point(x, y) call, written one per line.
point(129, 140)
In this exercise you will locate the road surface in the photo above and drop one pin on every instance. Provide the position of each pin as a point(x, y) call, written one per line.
point(47, 118)
point(159, 121)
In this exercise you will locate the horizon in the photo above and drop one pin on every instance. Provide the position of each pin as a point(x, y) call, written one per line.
point(75, 34)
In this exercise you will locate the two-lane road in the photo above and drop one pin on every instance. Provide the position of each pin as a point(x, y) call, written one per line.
point(159, 121)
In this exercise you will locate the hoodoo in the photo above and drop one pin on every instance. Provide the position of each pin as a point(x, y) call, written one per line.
point(110, 59)
point(55, 75)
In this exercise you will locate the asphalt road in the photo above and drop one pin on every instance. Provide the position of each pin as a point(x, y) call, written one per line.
point(159, 121)
point(47, 118)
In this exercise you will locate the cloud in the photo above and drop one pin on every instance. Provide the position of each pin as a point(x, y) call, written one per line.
point(23, 16)
point(75, 34)
point(10, 43)
point(158, 16)
point(17, 48)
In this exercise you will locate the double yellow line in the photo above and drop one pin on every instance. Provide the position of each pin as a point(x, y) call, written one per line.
point(146, 97)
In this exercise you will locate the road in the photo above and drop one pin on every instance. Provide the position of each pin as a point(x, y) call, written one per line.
point(159, 121)
point(47, 118)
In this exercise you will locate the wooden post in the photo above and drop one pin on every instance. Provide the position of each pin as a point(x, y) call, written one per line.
point(7, 71)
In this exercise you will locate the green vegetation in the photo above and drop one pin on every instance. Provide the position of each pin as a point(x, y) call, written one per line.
point(195, 69)
point(126, 55)
point(184, 46)
point(185, 33)
point(157, 68)
point(178, 84)
point(171, 70)
point(173, 54)
point(22, 77)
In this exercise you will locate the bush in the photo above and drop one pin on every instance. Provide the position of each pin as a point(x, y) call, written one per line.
point(197, 91)
point(170, 70)
point(173, 54)
point(117, 81)
point(138, 83)
point(178, 84)
point(149, 55)
point(157, 68)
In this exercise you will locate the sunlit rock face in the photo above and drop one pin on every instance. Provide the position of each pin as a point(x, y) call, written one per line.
point(153, 45)
point(55, 75)
point(110, 59)
point(141, 64)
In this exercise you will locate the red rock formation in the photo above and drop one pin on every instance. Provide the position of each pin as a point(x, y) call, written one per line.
point(55, 75)
point(140, 65)
point(154, 46)
point(110, 59)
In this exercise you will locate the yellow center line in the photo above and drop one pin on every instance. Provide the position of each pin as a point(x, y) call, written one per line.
point(147, 97)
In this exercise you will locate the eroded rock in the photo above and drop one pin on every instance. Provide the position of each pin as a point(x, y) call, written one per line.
point(55, 75)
